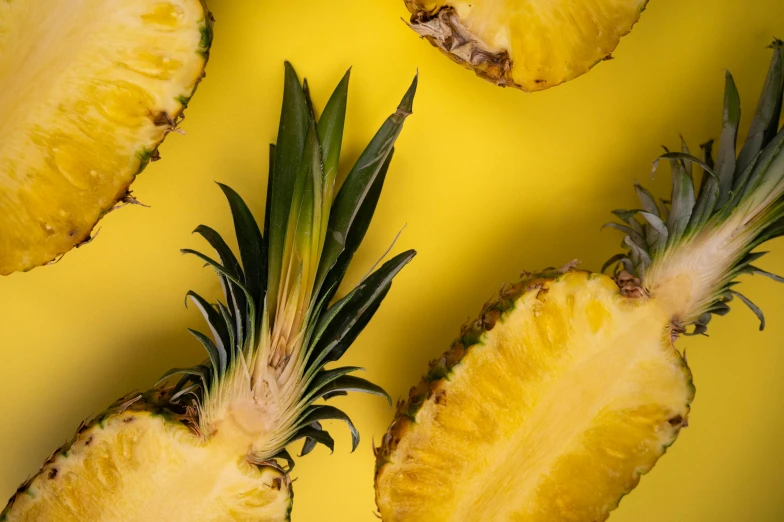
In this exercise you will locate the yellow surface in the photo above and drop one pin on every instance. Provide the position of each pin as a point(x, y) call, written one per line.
point(551, 417)
point(488, 181)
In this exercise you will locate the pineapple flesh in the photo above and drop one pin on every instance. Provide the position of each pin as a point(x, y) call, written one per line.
point(212, 444)
point(569, 386)
point(89, 90)
point(529, 44)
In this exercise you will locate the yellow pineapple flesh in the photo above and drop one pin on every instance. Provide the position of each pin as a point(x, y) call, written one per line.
point(529, 44)
point(572, 361)
point(89, 91)
point(569, 387)
point(136, 465)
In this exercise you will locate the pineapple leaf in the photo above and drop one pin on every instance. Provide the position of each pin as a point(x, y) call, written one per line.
point(726, 160)
point(294, 121)
point(613, 260)
point(637, 238)
point(324, 412)
point(682, 200)
point(350, 383)
point(647, 200)
point(359, 182)
point(758, 271)
point(285, 455)
point(330, 128)
point(236, 299)
point(322, 379)
point(356, 233)
point(311, 433)
point(658, 240)
point(251, 250)
point(225, 253)
point(222, 271)
point(214, 320)
point(754, 308)
point(358, 309)
point(217, 356)
point(768, 110)
point(201, 371)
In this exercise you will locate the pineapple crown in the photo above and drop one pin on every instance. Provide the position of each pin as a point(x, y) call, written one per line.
point(277, 327)
point(697, 243)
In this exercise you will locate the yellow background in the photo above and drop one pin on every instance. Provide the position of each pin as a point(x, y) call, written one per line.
point(488, 181)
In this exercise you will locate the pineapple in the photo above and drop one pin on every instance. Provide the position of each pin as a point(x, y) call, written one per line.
point(529, 44)
point(211, 446)
point(569, 387)
point(90, 89)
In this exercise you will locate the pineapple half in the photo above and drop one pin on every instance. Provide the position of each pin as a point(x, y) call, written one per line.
point(89, 90)
point(212, 446)
point(568, 388)
point(529, 44)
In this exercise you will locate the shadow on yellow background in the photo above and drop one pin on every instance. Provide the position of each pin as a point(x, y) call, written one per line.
point(488, 181)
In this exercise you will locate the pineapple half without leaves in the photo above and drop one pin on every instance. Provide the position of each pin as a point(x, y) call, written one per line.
point(529, 44)
point(212, 446)
point(89, 91)
point(568, 387)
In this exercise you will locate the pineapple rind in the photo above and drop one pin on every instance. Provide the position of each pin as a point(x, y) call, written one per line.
point(97, 484)
point(396, 475)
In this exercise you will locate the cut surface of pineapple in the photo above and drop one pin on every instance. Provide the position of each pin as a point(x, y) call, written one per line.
point(90, 88)
point(568, 360)
point(143, 467)
point(531, 44)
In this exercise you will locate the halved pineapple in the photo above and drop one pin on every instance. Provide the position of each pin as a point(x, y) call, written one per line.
point(212, 447)
point(140, 462)
point(89, 90)
point(568, 388)
point(529, 44)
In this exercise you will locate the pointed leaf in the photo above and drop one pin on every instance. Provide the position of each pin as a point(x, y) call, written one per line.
point(320, 436)
point(356, 233)
point(323, 412)
point(637, 238)
point(251, 247)
point(217, 356)
point(294, 121)
point(767, 113)
point(285, 455)
point(322, 379)
point(647, 200)
point(726, 160)
point(214, 320)
point(754, 308)
point(364, 302)
point(758, 271)
point(614, 259)
point(660, 241)
point(359, 182)
point(330, 128)
point(682, 201)
point(350, 383)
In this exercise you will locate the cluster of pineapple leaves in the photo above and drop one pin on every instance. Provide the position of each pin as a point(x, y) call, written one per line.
point(303, 168)
point(728, 181)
